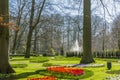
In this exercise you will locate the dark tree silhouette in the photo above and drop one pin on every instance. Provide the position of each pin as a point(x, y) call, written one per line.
point(87, 52)
point(4, 39)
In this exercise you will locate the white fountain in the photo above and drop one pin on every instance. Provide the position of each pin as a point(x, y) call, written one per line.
point(75, 47)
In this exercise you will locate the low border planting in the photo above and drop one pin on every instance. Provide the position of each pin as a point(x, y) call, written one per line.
point(41, 60)
point(19, 65)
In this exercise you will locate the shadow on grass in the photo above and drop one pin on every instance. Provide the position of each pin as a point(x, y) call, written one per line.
point(87, 74)
point(113, 72)
point(22, 75)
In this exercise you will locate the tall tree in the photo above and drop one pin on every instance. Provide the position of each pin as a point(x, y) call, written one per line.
point(33, 25)
point(116, 31)
point(19, 17)
point(4, 39)
point(87, 51)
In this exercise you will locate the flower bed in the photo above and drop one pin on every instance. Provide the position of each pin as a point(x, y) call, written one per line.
point(44, 78)
point(67, 70)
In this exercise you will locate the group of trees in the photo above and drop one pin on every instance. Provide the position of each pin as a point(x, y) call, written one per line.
point(42, 27)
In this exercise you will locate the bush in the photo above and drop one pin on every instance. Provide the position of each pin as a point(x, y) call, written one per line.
point(69, 54)
point(49, 52)
point(19, 65)
point(52, 51)
point(48, 64)
point(5, 76)
point(39, 60)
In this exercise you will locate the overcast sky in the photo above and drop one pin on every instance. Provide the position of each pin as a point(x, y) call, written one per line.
point(75, 7)
point(109, 10)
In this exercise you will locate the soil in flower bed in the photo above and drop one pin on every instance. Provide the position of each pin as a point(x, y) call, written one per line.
point(87, 73)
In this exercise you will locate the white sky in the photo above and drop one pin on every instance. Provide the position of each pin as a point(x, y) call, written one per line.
point(109, 12)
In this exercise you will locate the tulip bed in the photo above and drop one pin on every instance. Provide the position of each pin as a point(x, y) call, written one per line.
point(67, 70)
point(62, 72)
point(44, 78)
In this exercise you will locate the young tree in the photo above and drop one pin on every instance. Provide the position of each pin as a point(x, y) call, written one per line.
point(116, 31)
point(21, 5)
point(33, 25)
point(4, 39)
point(87, 52)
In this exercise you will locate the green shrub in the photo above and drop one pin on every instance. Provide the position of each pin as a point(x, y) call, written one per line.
point(19, 65)
point(49, 64)
point(69, 54)
point(5, 76)
point(39, 60)
point(52, 51)
point(49, 52)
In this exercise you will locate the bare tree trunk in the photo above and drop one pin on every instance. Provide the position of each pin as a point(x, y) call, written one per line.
point(87, 52)
point(118, 36)
point(19, 38)
point(20, 12)
point(4, 39)
point(32, 27)
point(35, 41)
point(14, 42)
point(27, 55)
point(68, 35)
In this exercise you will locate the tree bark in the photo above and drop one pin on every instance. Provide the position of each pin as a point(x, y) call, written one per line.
point(35, 41)
point(14, 42)
point(87, 52)
point(32, 26)
point(118, 32)
point(4, 39)
point(27, 54)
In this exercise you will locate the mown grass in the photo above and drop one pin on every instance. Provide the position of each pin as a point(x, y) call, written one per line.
point(29, 71)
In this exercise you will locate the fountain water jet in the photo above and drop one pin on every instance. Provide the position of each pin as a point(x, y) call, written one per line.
point(75, 47)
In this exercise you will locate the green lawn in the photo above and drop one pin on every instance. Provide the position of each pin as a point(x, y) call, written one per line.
point(26, 68)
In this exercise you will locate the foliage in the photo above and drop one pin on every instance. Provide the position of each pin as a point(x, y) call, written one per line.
point(113, 72)
point(41, 60)
point(72, 54)
point(11, 25)
point(48, 64)
point(5, 76)
point(19, 65)
point(49, 52)
point(52, 51)
point(62, 58)
point(107, 54)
